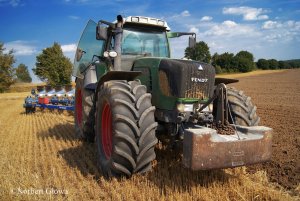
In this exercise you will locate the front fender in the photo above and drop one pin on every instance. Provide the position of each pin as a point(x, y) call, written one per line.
point(117, 75)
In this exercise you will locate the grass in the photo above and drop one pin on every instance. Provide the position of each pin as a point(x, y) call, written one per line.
point(23, 87)
point(26, 87)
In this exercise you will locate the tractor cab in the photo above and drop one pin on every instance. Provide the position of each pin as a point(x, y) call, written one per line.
point(119, 44)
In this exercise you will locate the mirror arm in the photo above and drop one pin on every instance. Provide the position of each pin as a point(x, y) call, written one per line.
point(186, 33)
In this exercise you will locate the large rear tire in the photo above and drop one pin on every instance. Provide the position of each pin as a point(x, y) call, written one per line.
point(84, 112)
point(242, 109)
point(125, 128)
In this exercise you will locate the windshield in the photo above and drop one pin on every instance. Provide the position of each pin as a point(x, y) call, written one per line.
point(87, 48)
point(145, 43)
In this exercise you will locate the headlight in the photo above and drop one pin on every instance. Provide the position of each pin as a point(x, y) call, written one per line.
point(185, 107)
point(111, 54)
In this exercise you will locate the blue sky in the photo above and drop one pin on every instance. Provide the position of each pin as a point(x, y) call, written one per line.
point(268, 29)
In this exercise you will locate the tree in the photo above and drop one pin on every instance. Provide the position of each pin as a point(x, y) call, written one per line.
point(214, 59)
point(263, 64)
point(245, 54)
point(244, 64)
point(218, 69)
point(273, 64)
point(22, 73)
point(281, 65)
point(53, 67)
point(225, 61)
point(244, 58)
point(287, 65)
point(199, 53)
point(6, 68)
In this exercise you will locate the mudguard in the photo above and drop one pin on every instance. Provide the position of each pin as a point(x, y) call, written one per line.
point(219, 80)
point(117, 75)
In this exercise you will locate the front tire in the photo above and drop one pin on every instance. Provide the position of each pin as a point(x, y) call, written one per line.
point(125, 128)
point(242, 109)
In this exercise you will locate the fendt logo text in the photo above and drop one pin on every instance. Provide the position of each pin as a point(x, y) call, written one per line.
point(195, 79)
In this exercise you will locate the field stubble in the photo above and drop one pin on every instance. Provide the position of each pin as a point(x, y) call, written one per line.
point(41, 159)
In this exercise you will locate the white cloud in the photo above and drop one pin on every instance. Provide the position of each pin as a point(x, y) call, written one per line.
point(206, 18)
point(230, 28)
point(229, 23)
point(21, 48)
point(271, 24)
point(69, 48)
point(194, 30)
point(177, 17)
point(281, 31)
point(291, 25)
point(249, 13)
point(185, 13)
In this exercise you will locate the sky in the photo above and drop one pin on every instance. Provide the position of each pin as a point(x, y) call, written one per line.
point(268, 29)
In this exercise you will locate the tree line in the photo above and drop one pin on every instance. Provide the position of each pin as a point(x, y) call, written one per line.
point(10, 74)
point(51, 67)
point(243, 61)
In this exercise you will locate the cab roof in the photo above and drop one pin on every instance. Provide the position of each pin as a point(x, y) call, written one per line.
point(146, 21)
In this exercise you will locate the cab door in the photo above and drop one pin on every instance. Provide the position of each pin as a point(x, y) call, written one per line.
point(89, 50)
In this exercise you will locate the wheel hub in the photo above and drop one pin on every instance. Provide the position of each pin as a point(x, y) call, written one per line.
point(78, 107)
point(106, 130)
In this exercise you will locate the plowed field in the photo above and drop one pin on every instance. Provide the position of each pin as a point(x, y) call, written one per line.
point(277, 97)
point(41, 159)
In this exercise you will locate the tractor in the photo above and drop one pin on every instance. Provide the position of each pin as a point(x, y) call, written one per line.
point(130, 94)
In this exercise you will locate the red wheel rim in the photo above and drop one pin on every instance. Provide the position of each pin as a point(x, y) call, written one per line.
point(78, 107)
point(106, 130)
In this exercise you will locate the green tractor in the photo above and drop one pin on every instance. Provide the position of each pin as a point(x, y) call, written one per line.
point(130, 93)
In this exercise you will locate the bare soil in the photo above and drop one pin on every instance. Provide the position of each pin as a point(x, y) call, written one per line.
point(277, 97)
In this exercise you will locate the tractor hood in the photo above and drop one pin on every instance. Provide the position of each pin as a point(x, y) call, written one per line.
point(186, 78)
point(170, 80)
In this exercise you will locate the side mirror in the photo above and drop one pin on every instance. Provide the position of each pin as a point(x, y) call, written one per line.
point(79, 54)
point(192, 42)
point(101, 32)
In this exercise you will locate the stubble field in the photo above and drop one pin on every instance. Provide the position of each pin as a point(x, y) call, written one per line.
point(41, 159)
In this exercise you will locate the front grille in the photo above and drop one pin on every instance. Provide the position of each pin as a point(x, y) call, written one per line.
point(185, 80)
point(194, 87)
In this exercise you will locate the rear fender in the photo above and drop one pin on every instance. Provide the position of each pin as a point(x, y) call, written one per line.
point(219, 80)
point(90, 78)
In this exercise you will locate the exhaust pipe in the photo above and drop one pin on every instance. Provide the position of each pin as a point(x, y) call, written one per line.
point(118, 39)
